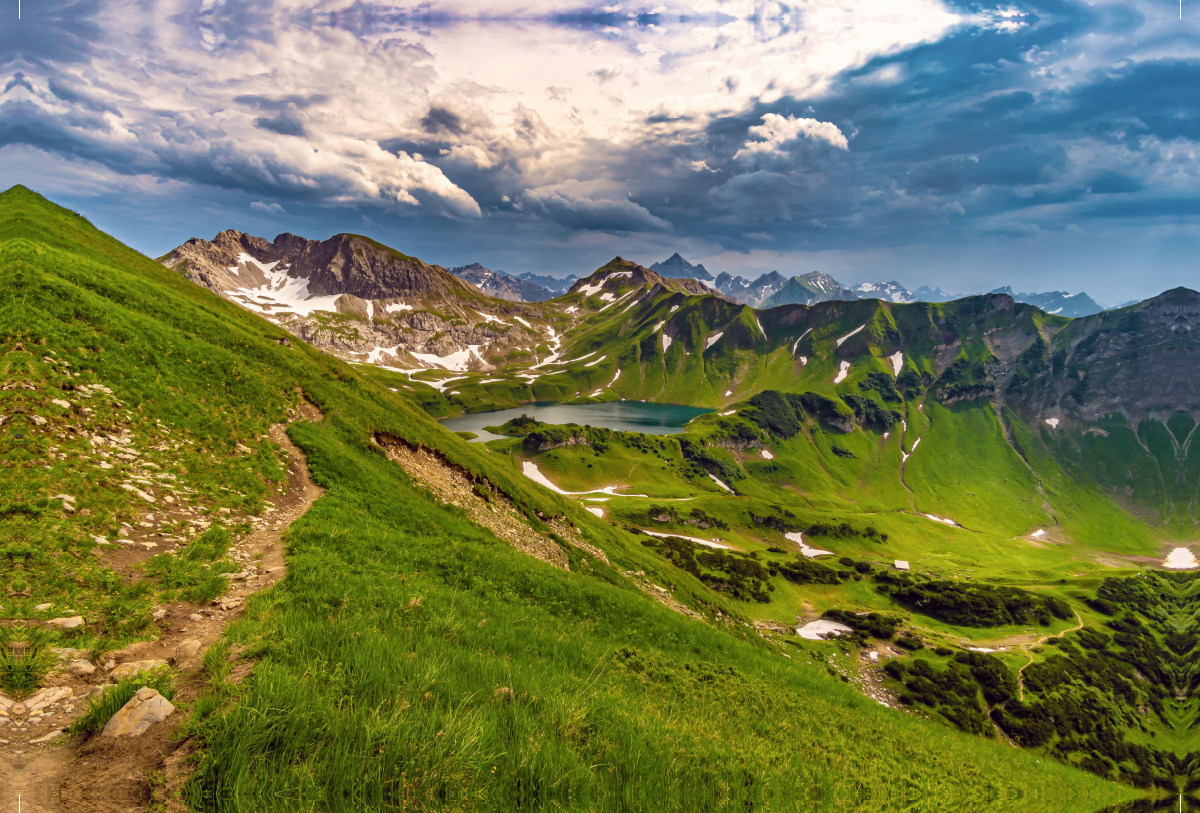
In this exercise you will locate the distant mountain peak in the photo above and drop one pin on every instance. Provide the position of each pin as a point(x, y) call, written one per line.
point(501, 285)
point(676, 267)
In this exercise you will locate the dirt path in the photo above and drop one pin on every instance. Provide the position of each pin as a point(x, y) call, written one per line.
point(1026, 647)
point(55, 774)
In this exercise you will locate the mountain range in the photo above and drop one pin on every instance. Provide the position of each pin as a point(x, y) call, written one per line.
point(768, 290)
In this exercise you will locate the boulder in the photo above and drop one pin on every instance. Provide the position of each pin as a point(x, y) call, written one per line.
point(81, 668)
point(144, 709)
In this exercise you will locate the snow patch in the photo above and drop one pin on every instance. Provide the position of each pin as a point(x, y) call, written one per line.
point(797, 342)
point(1039, 533)
point(530, 470)
point(848, 335)
point(376, 355)
point(522, 321)
point(722, 485)
point(811, 553)
point(280, 293)
point(397, 306)
point(711, 340)
point(728, 393)
point(760, 327)
point(767, 455)
point(666, 342)
point(597, 361)
point(728, 412)
point(488, 319)
point(1180, 559)
point(622, 299)
point(606, 297)
point(594, 510)
point(572, 309)
point(1052, 423)
point(456, 361)
point(942, 520)
point(843, 371)
point(897, 360)
point(705, 542)
point(821, 629)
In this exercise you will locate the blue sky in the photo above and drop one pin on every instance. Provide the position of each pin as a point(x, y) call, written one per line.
point(1043, 145)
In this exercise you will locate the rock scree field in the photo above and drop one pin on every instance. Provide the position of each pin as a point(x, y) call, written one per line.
point(245, 574)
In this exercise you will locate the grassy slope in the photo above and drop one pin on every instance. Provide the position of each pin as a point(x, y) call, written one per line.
point(384, 656)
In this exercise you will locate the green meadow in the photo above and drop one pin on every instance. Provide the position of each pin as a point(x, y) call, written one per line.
point(411, 659)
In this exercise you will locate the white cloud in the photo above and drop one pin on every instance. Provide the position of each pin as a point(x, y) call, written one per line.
point(776, 133)
point(269, 208)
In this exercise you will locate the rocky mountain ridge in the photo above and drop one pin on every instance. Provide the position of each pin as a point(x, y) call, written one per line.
point(502, 286)
point(359, 299)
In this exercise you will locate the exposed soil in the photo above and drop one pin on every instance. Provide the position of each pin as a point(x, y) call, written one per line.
point(486, 505)
point(54, 773)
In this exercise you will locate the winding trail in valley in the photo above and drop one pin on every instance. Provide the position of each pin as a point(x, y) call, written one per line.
point(1027, 647)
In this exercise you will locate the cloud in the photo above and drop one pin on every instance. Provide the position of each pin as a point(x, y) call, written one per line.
point(777, 132)
point(588, 207)
point(269, 208)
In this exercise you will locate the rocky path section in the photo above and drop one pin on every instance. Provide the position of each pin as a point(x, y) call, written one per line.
point(55, 773)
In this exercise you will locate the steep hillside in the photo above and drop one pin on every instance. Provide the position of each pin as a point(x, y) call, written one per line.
point(448, 634)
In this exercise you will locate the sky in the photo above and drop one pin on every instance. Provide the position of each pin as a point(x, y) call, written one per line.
point(1046, 145)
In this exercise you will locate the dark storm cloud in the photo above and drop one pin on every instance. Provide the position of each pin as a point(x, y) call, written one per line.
point(274, 104)
point(439, 119)
point(282, 124)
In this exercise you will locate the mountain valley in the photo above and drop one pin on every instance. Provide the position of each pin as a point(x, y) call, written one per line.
point(908, 554)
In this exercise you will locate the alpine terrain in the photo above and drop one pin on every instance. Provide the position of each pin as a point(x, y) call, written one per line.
point(906, 555)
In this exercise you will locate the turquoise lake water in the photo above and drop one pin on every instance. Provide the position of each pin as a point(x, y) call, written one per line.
point(624, 416)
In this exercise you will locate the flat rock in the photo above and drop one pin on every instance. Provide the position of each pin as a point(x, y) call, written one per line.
point(187, 652)
point(144, 709)
point(135, 667)
point(66, 623)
